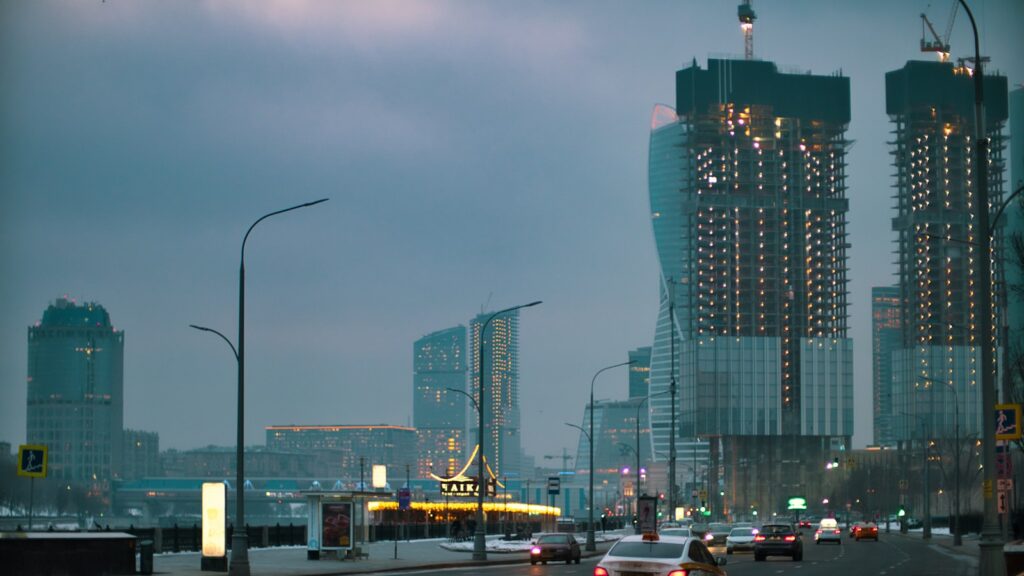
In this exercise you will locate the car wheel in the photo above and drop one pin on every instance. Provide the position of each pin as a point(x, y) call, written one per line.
point(759, 557)
point(798, 557)
point(533, 562)
point(728, 550)
point(577, 559)
point(544, 562)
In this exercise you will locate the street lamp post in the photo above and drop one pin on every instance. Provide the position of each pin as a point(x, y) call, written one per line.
point(957, 537)
point(480, 537)
point(239, 565)
point(591, 545)
point(638, 406)
point(590, 497)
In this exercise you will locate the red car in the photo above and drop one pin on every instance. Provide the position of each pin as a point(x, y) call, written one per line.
point(867, 531)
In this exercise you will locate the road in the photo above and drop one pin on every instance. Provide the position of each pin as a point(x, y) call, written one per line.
point(893, 555)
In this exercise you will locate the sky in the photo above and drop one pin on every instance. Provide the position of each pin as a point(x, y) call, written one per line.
point(477, 155)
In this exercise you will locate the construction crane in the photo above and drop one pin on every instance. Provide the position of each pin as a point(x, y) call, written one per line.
point(565, 457)
point(940, 44)
point(747, 17)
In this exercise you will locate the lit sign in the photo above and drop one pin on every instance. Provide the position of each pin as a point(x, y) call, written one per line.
point(798, 503)
point(380, 476)
point(465, 487)
point(336, 525)
point(214, 532)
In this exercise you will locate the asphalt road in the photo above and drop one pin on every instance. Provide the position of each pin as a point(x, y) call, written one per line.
point(891, 556)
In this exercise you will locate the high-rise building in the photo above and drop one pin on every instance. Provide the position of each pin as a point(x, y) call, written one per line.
point(747, 182)
point(886, 335)
point(1014, 236)
point(76, 392)
point(439, 415)
point(502, 446)
point(639, 372)
point(937, 367)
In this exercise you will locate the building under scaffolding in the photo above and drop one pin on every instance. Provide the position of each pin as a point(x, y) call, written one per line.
point(748, 200)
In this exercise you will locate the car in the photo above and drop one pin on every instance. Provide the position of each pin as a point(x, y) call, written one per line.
point(655, 555)
point(719, 532)
point(740, 539)
point(828, 531)
point(682, 532)
point(854, 527)
point(867, 531)
point(702, 531)
point(805, 523)
point(555, 547)
point(778, 540)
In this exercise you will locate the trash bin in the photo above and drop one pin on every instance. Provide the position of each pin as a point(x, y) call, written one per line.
point(146, 557)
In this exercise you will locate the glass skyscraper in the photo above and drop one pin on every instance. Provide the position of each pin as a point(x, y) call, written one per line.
point(886, 335)
point(76, 392)
point(748, 203)
point(439, 415)
point(502, 446)
point(639, 372)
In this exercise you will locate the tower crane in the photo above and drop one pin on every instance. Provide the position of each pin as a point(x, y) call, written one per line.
point(940, 44)
point(747, 16)
point(564, 457)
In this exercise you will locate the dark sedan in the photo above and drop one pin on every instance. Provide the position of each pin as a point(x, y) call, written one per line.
point(778, 540)
point(555, 547)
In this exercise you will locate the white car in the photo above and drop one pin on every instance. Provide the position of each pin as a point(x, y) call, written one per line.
point(740, 539)
point(659, 556)
point(828, 531)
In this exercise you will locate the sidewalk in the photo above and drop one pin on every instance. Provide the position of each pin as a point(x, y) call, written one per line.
point(413, 555)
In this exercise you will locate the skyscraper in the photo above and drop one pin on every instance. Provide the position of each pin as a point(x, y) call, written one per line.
point(886, 335)
point(639, 372)
point(1015, 244)
point(76, 392)
point(938, 363)
point(502, 446)
point(748, 205)
point(439, 416)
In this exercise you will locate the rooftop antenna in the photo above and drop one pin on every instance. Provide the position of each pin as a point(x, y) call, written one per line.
point(747, 17)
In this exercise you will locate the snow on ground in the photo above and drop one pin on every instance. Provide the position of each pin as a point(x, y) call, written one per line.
point(499, 546)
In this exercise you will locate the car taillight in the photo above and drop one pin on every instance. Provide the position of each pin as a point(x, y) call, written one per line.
point(535, 550)
point(598, 571)
point(677, 573)
point(790, 538)
point(759, 538)
point(838, 531)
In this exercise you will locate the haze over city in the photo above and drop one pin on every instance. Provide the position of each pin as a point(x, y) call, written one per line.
point(477, 155)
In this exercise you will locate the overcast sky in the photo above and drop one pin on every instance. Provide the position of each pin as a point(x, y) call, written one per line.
point(475, 154)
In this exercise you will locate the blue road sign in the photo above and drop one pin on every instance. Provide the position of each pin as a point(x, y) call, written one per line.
point(32, 461)
point(1008, 422)
point(404, 499)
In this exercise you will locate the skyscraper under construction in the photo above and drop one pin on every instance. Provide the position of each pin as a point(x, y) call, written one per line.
point(936, 368)
point(747, 181)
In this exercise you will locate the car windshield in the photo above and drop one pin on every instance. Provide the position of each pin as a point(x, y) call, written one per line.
point(647, 550)
point(742, 532)
point(776, 529)
point(553, 539)
point(719, 527)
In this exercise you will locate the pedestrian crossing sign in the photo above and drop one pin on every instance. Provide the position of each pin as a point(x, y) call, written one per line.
point(32, 461)
point(1008, 422)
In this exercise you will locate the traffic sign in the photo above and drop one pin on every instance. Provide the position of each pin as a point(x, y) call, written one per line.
point(404, 498)
point(554, 485)
point(1008, 422)
point(32, 461)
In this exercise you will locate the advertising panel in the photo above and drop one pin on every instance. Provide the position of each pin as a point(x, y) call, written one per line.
point(336, 525)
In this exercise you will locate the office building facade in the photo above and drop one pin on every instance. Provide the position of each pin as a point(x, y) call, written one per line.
point(748, 204)
point(76, 392)
point(353, 449)
point(937, 367)
point(438, 414)
point(502, 446)
point(639, 372)
point(1014, 242)
point(886, 335)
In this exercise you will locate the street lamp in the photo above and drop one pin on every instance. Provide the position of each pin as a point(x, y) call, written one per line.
point(957, 538)
point(591, 545)
point(480, 537)
point(239, 565)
